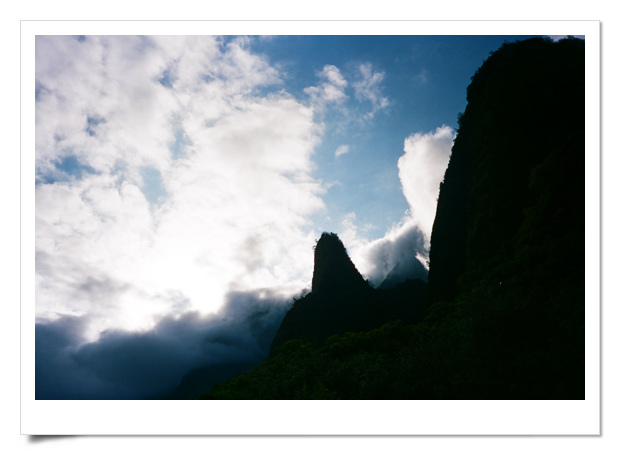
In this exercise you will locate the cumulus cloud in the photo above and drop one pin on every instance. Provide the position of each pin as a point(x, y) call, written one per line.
point(104, 78)
point(421, 170)
point(164, 182)
point(397, 253)
point(404, 248)
point(401, 251)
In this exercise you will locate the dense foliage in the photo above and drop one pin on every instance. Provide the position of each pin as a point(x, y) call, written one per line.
point(507, 265)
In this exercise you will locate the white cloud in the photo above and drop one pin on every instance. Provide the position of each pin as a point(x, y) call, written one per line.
point(331, 90)
point(109, 78)
point(368, 87)
point(235, 204)
point(421, 169)
point(341, 150)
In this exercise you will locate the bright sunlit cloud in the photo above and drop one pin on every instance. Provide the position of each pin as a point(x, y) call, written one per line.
point(142, 221)
point(421, 170)
point(165, 169)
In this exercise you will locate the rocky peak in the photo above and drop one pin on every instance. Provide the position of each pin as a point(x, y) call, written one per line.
point(333, 269)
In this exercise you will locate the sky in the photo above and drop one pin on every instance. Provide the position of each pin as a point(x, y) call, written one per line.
point(181, 183)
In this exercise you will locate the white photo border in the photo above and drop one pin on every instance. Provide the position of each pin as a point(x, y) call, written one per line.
point(580, 417)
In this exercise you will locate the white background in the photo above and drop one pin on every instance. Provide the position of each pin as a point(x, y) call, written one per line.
point(324, 416)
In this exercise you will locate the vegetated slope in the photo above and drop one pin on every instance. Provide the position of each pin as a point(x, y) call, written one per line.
point(506, 282)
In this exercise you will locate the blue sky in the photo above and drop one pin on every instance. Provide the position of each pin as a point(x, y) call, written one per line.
point(424, 79)
point(181, 182)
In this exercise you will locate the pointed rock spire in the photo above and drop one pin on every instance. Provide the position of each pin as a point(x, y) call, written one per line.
point(334, 272)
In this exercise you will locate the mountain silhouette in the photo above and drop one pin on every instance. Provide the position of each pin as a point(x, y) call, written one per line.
point(506, 284)
point(508, 240)
point(516, 172)
point(334, 272)
point(342, 301)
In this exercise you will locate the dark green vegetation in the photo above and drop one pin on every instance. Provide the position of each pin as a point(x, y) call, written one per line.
point(506, 286)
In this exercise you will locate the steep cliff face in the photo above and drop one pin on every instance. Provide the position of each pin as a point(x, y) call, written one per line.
point(507, 247)
point(516, 174)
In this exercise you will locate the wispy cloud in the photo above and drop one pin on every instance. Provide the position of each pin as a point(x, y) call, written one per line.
point(421, 77)
point(368, 87)
point(341, 150)
point(330, 90)
point(334, 92)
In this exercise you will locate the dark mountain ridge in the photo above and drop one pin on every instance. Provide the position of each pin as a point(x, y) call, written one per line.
point(517, 167)
point(507, 263)
point(508, 241)
point(342, 301)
